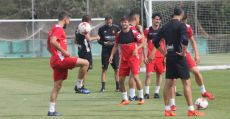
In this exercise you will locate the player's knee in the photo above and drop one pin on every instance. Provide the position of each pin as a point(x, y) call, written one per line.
point(148, 75)
point(86, 63)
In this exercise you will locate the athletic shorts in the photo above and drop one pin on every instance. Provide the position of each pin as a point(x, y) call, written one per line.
point(157, 66)
point(191, 63)
point(177, 69)
point(126, 66)
point(60, 70)
point(140, 60)
point(87, 56)
point(105, 59)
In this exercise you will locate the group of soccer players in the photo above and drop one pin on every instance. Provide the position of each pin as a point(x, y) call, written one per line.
point(167, 46)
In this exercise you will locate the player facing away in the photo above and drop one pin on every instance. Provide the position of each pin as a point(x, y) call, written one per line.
point(158, 65)
point(84, 51)
point(134, 21)
point(60, 59)
point(176, 39)
point(192, 67)
point(128, 39)
point(108, 33)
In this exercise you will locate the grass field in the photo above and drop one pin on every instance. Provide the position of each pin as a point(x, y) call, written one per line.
point(26, 85)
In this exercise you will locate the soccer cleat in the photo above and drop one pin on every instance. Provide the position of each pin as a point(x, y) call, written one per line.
point(135, 98)
point(208, 95)
point(156, 95)
point(195, 113)
point(102, 91)
point(169, 113)
point(53, 114)
point(141, 101)
point(173, 108)
point(178, 94)
point(118, 90)
point(124, 102)
point(81, 90)
point(146, 96)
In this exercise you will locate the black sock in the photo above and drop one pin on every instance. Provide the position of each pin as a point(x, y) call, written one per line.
point(103, 85)
point(117, 85)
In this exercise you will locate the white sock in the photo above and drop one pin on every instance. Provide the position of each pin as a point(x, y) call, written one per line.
point(131, 92)
point(172, 102)
point(124, 96)
point(146, 89)
point(175, 88)
point(157, 89)
point(190, 108)
point(141, 93)
point(167, 108)
point(202, 89)
point(52, 105)
point(79, 83)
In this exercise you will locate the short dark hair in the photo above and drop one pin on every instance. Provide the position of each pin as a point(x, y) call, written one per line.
point(132, 15)
point(124, 18)
point(62, 15)
point(178, 10)
point(108, 17)
point(86, 18)
point(185, 16)
point(157, 14)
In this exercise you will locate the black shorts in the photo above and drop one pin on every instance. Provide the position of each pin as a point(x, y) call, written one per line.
point(177, 69)
point(105, 59)
point(87, 56)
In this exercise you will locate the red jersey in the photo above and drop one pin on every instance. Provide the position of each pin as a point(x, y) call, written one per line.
point(134, 28)
point(150, 33)
point(57, 56)
point(190, 34)
point(128, 43)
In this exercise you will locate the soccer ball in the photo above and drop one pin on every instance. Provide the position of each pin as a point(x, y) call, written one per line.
point(201, 103)
point(84, 28)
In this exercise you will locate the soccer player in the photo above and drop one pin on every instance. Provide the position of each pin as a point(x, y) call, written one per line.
point(84, 51)
point(192, 67)
point(134, 21)
point(176, 39)
point(128, 39)
point(60, 59)
point(158, 65)
point(108, 33)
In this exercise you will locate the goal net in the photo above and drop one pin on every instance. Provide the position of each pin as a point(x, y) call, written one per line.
point(210, 21)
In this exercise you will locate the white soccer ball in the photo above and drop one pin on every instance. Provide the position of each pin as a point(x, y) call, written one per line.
point(201, 103)
point(84, 28)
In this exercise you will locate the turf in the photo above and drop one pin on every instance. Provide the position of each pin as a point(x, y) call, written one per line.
point(26, 85)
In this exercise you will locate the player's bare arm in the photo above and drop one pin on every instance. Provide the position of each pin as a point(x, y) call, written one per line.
point(55, 44)
point(114, 50)
point(194, 46)
point(88, 38)
point(142, 44)
point(144, 51)
point(183, 53)
point(48, 48)
point(75, 40)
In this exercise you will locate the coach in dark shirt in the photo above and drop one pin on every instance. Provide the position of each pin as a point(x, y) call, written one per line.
point(108, 33)
point(176, 39)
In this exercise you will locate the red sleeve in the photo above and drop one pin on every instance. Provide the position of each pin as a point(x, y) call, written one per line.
point(57, 32)
point(190, 34)
point(48, 41)
point(146, 32)
point(117, 37)
point(133, 28)
point(137, 36)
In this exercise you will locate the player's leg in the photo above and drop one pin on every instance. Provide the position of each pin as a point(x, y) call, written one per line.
point(115, 66)
point(125, 100)
point(105, 63)
point(132, 86)
point(139, 88)
point(158, 84)
point(90, 59)
point(172, 95)
point(149, 70)
point(116, 71)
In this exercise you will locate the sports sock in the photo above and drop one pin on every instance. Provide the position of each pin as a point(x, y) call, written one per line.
point(167, 108)
point(79, 83)
point(175, 89)
point(202, 89)
point(52, 105)
point(103, 85)
point(157, 89)
point(141, 93)
point(117, 85)
point(124, 96)
point(190, 108)
point(146, 89)
point(131, 92)
point(172, 102)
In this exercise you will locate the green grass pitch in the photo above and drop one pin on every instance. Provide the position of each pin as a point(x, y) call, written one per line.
point(25, 86)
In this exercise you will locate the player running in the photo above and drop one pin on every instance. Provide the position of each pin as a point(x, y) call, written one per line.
point(60, 59)
point(192, 67)
point(158, 65)
point(108, 33)
point(128, 39)
point(84, 51)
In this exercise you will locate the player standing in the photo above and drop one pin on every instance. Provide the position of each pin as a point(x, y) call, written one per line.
point(176, 38)
point(158, 65)
point(192, 67)
point(130, 59)
point(108, 33)
point(84, 51)
point(60, 59)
